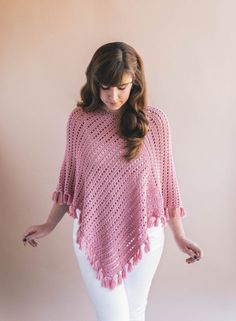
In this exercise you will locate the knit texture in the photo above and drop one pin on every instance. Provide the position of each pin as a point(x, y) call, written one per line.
point(118, 200)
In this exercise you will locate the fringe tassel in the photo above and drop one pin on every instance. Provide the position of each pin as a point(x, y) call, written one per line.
point(163, 220)
point(156, 222)
point(140, 253)
point(135, 259)
point(79, 238)
point(72, 211)
point(108, 282)
point(130, 266)
point(103, 283)
point(151, 221)
point(62, 198)
point(147, 245)
point(96, 265)
point(112, 283)
point(99, 274)
point(123, 273)
point(119, 278)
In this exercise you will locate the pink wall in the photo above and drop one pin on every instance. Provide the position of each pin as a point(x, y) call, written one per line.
point(189, 50)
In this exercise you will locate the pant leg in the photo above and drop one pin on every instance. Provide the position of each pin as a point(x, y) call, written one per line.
point(126, 302)
point(138, 282)
point(109, 305)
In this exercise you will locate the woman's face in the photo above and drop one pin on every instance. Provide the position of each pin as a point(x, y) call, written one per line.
point(115, 97)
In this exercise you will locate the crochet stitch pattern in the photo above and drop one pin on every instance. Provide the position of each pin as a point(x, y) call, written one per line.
point(118, 200)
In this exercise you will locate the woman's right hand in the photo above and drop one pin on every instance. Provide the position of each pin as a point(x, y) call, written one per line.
point(36, 232)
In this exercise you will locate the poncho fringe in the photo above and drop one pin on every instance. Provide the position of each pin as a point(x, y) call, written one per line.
point(111, 282)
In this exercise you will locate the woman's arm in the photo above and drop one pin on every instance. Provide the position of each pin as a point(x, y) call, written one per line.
point(38, 231)
point(184, 243)
point(56, 214)
point(176, 226)
point(174, 210)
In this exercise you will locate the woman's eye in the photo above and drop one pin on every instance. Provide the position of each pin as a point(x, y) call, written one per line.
point(106, 88)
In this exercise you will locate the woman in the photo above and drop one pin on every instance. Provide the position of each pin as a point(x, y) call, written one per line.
point(118, 183)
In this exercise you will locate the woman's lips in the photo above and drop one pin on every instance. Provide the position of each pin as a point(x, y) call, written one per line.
point(113, 104)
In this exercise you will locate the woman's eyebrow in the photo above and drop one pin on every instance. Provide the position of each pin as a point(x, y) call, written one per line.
point(125, 84)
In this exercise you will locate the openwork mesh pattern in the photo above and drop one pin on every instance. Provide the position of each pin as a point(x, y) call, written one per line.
point(118, 200)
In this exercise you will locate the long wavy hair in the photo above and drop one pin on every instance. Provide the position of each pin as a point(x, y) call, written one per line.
point(107, 66)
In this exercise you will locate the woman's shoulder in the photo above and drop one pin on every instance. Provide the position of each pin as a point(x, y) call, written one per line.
point(157, 114)
point(76, 114)
point(76, 111)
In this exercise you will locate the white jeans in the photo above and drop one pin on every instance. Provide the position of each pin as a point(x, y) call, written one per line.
point(128, 300)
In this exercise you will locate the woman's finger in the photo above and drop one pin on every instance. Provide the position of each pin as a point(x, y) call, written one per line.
point(35, 243)
point(198, 253)
point(190, 260)
point(190, 252)
point(195, 250)
point(194, 247)
point(28, 233)
point(31, 241)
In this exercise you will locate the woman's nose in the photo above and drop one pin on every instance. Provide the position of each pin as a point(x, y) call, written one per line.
point(113, 94)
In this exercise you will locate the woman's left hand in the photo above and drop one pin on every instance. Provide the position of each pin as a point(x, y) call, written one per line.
point(189, 247)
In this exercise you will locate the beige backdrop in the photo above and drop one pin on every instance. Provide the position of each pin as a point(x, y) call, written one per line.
point(189, 51)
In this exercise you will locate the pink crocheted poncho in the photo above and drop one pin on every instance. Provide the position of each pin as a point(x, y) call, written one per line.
point(117, 200)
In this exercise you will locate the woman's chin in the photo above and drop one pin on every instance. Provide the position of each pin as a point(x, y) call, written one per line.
point(111, 107)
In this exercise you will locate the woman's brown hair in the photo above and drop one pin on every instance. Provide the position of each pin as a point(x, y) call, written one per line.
point(107, 66)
